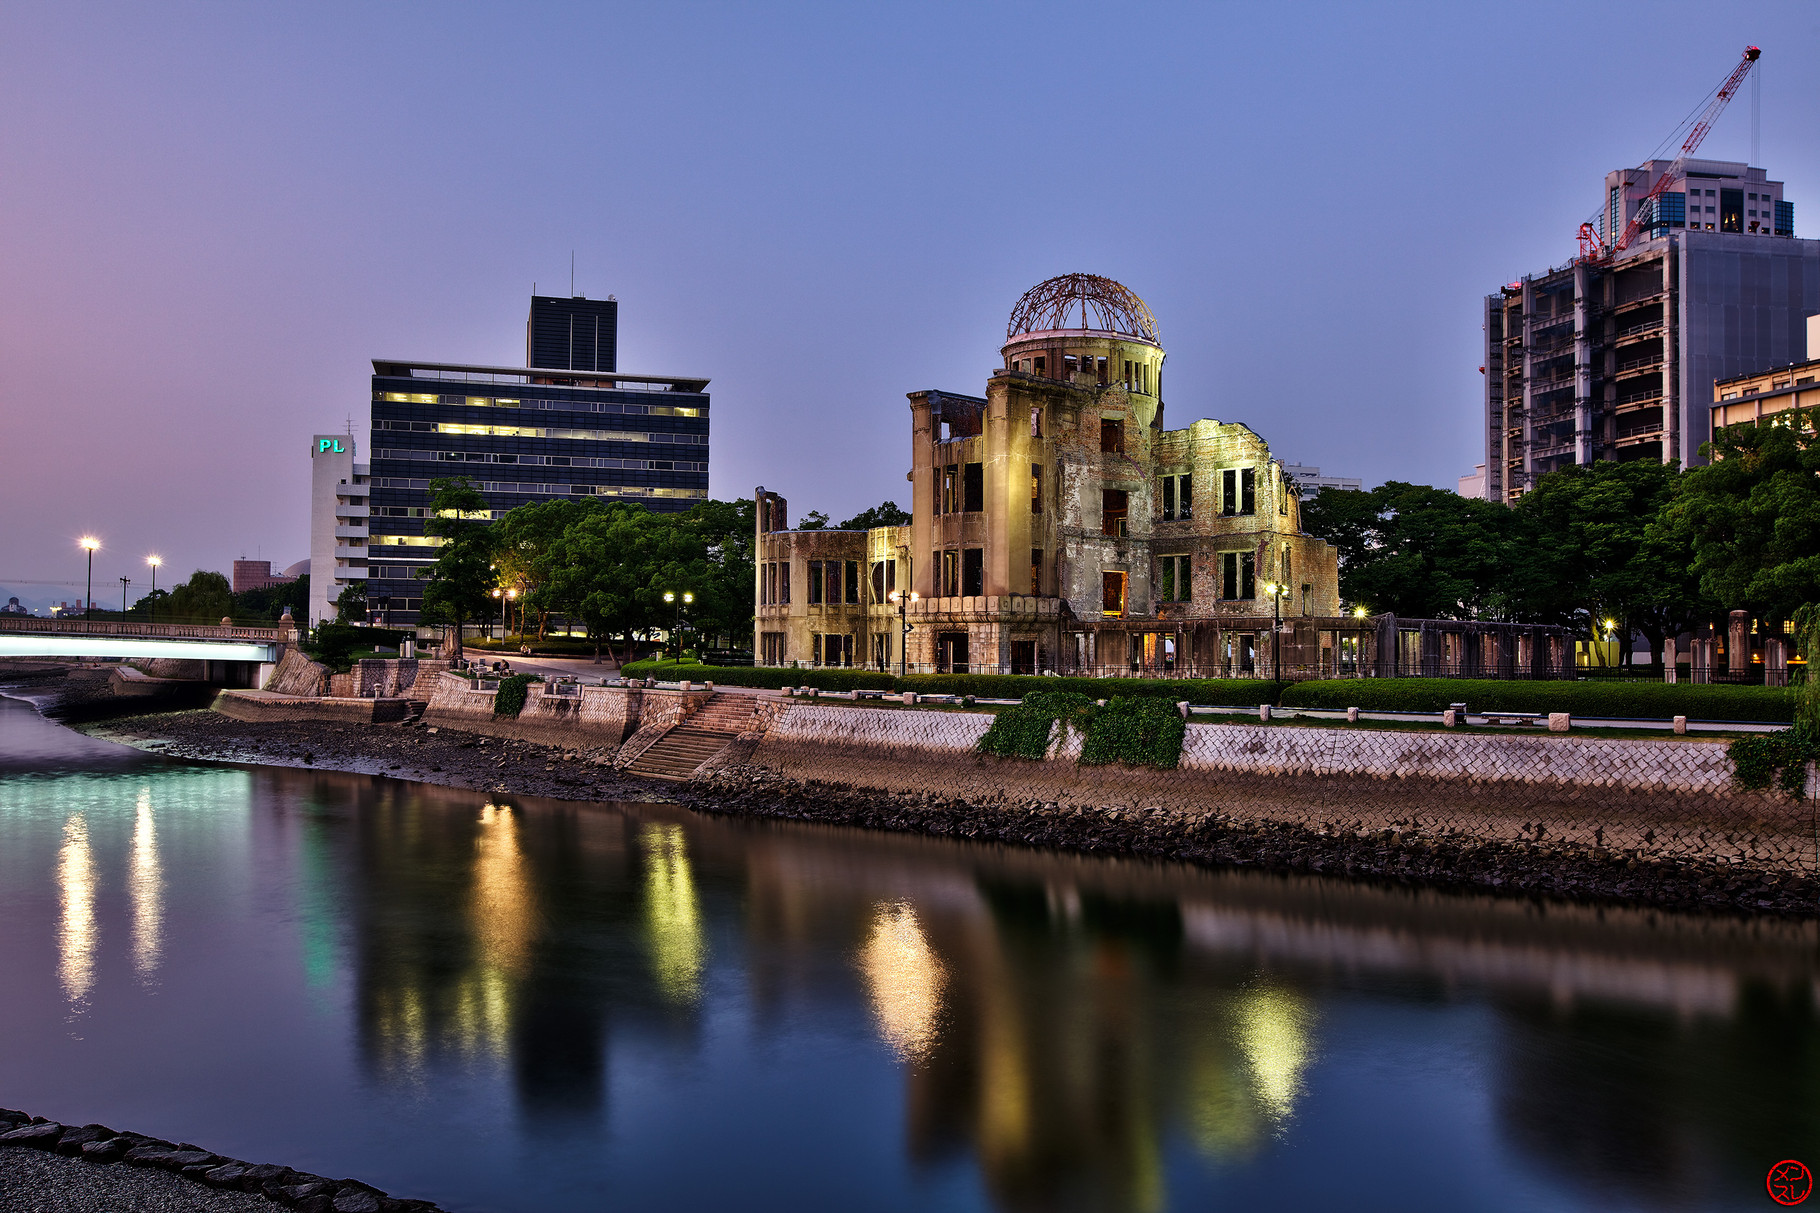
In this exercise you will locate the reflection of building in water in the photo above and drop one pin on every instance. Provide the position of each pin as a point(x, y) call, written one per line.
point(673, 929)
point(904, 977)
point(76, 933)
point(145, 883)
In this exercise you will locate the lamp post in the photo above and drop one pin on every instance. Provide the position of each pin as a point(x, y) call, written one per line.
point(154, 561)
point(1611, 632)
point(685, 597)
point(904, 625)
point(89, 543)
point(1358, 661)
point(124, 582)
point(1275, 591)
point(505, 616)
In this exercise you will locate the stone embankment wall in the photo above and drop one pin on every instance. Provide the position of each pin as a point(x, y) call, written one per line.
point(1644, 796)
point(596, 716)
point(298, 675)
point(379, 677)
point(265, 706)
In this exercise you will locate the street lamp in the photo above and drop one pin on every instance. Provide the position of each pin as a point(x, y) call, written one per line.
point(686, 597)
point(499, 595)
point(89, 543)
point(154, 561)
point(124, 582)
point(1358, 661)
point(903, 602)
point(1275, 591)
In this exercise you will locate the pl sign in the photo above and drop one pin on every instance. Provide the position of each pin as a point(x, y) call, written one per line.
point(326, 446)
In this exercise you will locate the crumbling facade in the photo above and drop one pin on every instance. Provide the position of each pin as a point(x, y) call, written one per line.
point(1057, 526)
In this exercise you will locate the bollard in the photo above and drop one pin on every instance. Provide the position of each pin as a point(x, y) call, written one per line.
point(1352, 715)
point(1184, 709)
point(1560, 722)
point(709, 687)
point(788, 690)
point(1264, 713)
point(1451, 717)
point(1681, 725)
point(687, 685)
point(910, 698)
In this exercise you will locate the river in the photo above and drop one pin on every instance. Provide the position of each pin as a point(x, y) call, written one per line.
point(517, 1004)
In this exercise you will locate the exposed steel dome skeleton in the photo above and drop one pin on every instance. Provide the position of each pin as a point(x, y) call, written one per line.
point(1082, 302)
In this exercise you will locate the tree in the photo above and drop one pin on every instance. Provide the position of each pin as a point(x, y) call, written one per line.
point(204, 598)
point(270, 602)
point(722, 568)
point(1751, 518)
point(1586, 554)
point(883, 514)
point(525, 541)
point(460, 579)
point(351, 604)
point(814, 520)
point(1416, 551)
point(602, 568)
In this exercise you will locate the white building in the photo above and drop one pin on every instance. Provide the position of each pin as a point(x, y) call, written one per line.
point(1310, 480)
point(338, 522)
point(1473, 483)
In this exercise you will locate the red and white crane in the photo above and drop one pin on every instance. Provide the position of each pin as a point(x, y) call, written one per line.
point(1595, 249)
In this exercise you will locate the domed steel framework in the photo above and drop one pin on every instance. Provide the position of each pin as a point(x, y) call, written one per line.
point(1098, 304)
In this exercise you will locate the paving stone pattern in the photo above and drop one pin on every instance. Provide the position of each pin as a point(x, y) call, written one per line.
point(1649, 798)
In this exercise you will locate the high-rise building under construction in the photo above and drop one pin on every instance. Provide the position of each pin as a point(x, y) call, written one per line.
point(1613, 356)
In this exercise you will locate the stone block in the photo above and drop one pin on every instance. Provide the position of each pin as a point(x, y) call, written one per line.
point(1560, 722)
point(1263, 712)
point(1681, 724)
point(1352, 715)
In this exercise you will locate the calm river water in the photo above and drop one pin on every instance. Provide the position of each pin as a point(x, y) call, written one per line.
point(535, 1005)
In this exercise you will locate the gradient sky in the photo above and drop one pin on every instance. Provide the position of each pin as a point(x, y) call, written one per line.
point(216, 215)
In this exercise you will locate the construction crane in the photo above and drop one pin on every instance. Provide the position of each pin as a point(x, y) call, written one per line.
point(1593, 247)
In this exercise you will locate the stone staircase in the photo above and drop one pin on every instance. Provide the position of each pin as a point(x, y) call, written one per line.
point(681, 751)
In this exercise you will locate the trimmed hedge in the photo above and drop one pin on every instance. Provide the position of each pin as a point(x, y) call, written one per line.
point(1651, 700)
point(1226, 691)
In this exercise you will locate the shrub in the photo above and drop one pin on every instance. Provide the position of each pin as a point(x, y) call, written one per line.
point(1137, 731)
point(333, 644)
point(986, 686)
point(1657, 700)
point(509, 699)
point(1023, 731)
point(1779, 758)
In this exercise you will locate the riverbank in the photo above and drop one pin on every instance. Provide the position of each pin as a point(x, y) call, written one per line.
point(50, 1167)
point(1236, 829)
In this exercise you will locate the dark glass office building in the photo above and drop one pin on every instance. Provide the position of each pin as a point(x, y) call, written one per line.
point(577, 334)
point(524, 434)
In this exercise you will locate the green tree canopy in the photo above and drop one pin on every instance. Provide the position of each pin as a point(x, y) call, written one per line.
point(462, 577)
point(814, 520)
point(1751, 518)
point(1416, 551)
point(883, 514)
point(205, 598)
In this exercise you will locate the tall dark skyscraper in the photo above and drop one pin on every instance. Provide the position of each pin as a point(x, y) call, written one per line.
point(574, 334)
point(559, 428)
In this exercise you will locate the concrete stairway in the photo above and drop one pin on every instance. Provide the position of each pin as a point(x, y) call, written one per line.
point(681, 751)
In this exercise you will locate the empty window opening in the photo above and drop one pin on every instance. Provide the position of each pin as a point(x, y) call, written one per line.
point(1023, 656)
point(815, 583)
point(973, 572)
point(951, 653)
point(1036, 423)
point(1070, 365)
point(852, 594)
point(974, 485)
point(950, 573)
point(1036, 570)
point(1175, 579)
point(951, 489)
point(1112, 594)
point(1115, 510)
point(1248, 490)
point(1238, 576)
point(1100, 371)
point(1036, 488)
point(1112, 437)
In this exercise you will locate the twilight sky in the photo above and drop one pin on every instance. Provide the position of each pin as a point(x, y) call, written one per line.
point(216, 215)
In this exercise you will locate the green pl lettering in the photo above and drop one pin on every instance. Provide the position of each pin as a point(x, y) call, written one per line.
point(328, 444)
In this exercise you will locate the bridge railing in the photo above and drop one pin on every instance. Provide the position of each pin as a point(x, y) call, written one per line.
point(139, 631)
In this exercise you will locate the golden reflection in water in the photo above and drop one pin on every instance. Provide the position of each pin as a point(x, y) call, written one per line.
point(76, 937)
point(503, 908)
point(145, 884)
point(673, 930)
point(905, 978)
point(1272, 1029)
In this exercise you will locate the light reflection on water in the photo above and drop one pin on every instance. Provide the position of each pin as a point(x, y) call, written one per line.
point(514, 1004)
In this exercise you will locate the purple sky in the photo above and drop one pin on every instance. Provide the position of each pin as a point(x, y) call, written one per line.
point(216, 215)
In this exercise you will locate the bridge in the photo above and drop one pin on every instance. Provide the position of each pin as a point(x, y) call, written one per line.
point(30, 636)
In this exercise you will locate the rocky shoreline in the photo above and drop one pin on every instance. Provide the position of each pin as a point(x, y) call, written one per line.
point(283, 1186)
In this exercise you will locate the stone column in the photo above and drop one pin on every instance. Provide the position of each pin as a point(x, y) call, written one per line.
point(1737, 642)
point(1669, 656)
point(1775, 661)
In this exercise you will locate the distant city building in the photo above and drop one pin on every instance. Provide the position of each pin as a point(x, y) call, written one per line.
point(524, 434)
point(1751, 398)
point(1310, 481)
point(13, 607)
point(339, 493)
point(1473, 483)
point(578, 334)
point(1616, 360)
point(256, 575)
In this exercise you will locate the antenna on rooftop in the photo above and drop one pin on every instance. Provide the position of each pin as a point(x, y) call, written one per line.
point(571, 273)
